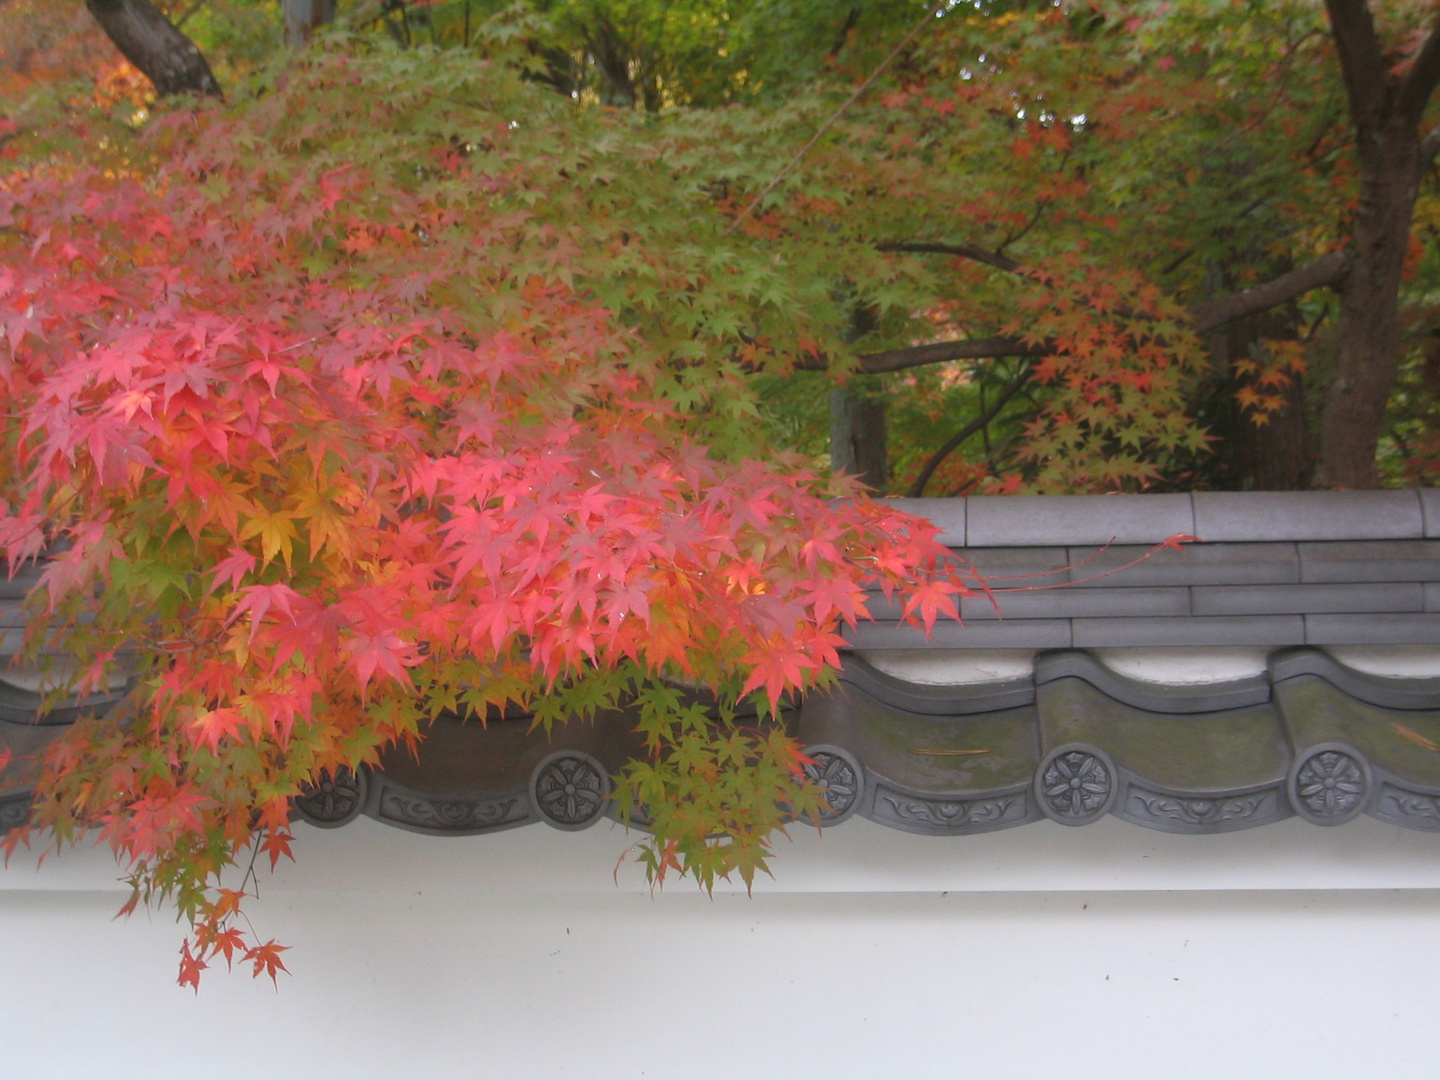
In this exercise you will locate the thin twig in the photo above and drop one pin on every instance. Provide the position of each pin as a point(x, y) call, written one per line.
point(1034, 218)
point(859, 92)
point(191, 10)
point(1172, 543)
point(917, 489)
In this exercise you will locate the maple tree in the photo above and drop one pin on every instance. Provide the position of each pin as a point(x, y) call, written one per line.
point(313, 471)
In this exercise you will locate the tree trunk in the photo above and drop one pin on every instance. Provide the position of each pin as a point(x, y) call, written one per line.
point(857, 439)
point(1275, 455)
point(1364, 373)
point(1387, 101)
point(163, 54)
point(304, 17)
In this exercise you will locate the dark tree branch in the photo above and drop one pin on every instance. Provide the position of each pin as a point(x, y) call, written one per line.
point(1430, 146)
point(1040, 208)
point(1362, 60)
point(1421, 79)
point(843, 36)
point(963, 251)
point(917, 489)
point(1175, 263)
point(942, 351)
point(1326, 270)
point(191, 10)
point(147, 39)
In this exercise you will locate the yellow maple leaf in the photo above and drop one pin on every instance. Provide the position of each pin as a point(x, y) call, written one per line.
point(277, 535)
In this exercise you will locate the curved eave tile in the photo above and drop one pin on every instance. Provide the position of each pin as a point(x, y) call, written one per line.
point(1155, 697)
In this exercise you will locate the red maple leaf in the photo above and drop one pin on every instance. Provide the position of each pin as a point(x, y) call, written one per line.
point(191, 966)
point(265, 960)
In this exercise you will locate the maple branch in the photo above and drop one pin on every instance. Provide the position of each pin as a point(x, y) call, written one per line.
point(940, 352)
point(1040, 208)
point(1172, 542)
point(963, 251)
point(1420, 81)
point(917, 489)
point(191, 10)
point(1362, 61)
point(1430, 145)
point(844, 35)
point(1175, 263)
point(1326, 270)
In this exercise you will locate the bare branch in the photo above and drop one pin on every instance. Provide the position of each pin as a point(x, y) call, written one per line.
point(1040, 208)
point(1421, 79)
point(1362, 61)
point(1430, 146)
point(191, 10)
point(963, 251)
point(917, 489)
point(1326, 270)
point(941, 351)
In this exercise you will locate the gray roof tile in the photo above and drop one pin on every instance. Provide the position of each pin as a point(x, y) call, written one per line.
point(1417, 629)
point(1217, 751)
point(927, 699)
point(1072, 603)
point(1276, 570)
point(1156, 697)
point(1430, 507)
point(1047, 520)
point(1386, 693)
point(1303, 599)
point(1010, 566)
point(980, 634)
point(1192, 564)
point(1307, 515)
point(1264, 630)
point(1370, 560)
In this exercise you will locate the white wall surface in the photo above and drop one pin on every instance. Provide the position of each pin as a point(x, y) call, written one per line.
point(1107, 951)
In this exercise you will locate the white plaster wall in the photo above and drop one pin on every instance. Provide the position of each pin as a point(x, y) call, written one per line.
point(1108, 951)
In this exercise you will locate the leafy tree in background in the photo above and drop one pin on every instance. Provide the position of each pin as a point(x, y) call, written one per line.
point(1217, 126)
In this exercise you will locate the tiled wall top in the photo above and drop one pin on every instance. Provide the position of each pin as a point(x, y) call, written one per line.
point(1041, 520)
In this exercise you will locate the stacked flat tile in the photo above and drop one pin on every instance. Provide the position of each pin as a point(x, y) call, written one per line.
point(1266, 569)
point(1291, 580)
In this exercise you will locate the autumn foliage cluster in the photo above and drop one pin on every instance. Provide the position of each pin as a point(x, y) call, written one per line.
point(313, 457)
